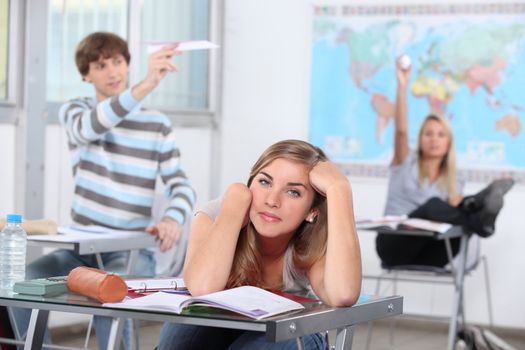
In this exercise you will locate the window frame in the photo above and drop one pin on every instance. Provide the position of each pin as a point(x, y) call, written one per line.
point(10, 106)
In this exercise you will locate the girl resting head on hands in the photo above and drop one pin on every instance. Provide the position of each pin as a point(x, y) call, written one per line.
point(290, 228)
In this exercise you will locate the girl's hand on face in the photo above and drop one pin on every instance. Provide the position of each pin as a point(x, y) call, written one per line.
point(324, 175)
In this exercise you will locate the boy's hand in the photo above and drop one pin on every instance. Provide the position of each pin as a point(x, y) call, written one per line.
point(168, 231)
point(159, 65)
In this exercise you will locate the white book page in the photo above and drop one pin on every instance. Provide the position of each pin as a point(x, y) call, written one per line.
point(153, 46)
point(160, 301)
point(384, 221)
point(250, 301)
point(428, 225)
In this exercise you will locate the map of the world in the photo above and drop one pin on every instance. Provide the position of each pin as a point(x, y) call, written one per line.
point(468, 65)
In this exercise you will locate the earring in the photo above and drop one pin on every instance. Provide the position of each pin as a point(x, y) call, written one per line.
point(311, 219)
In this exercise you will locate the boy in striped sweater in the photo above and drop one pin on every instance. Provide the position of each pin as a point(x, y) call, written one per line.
point(119, 149)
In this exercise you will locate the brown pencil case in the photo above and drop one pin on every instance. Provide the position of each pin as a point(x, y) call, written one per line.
point(97, 284)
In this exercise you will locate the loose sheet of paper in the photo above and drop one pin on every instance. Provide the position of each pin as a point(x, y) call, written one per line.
point(153, 46)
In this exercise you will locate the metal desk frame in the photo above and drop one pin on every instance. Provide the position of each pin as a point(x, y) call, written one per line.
point(458, 272)
point(94, 243)
point(316, 317)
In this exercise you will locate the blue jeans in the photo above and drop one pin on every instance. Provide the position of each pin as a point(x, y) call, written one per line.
point(61, 262)
point(182, 336)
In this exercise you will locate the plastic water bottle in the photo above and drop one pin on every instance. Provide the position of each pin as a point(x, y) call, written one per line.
point(13, 242)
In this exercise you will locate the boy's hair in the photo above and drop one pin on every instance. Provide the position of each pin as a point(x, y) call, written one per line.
point(99, 45)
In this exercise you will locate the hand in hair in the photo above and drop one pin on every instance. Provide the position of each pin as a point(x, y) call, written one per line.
point(324, 175)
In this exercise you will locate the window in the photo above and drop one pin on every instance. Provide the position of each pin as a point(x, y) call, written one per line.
point(11, 29)
point(137, 21)
point(69, 21)
point(178, 21)
point(4, 33)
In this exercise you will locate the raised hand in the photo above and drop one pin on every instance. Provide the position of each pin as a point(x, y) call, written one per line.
point(159, 65)
point(402, 72)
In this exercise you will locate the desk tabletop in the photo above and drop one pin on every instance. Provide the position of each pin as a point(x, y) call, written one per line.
point(91, 243)
point(453, 232)
point(316, 316)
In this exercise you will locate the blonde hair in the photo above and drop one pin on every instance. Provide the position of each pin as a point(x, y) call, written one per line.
point(309, 241)
point(447, 180)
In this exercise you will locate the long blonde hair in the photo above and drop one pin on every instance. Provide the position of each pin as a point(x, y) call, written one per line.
point(309, 240)
point(447, 179)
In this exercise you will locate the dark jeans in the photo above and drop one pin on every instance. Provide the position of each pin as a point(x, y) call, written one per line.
point(396, 250)
point(182, 336)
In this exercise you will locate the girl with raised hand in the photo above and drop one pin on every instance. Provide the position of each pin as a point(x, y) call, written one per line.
point(423, 184)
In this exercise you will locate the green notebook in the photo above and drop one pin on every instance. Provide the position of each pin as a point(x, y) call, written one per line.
point(42, 286)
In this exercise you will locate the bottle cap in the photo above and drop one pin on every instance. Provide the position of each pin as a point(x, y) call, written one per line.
point(404, 61)
point(15, 218)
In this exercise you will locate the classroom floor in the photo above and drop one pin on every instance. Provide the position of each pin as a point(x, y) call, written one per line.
point(410, 334)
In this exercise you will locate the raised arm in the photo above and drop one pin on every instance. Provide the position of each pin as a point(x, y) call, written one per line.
point(212, 244)
point(86, 121)
point(336, 278)
point(400, 118)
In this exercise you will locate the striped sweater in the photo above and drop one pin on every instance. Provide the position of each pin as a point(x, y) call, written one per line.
point(118, 151)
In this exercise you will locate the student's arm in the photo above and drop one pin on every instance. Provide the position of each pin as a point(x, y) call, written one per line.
point(336, 278)
point(86, 122)
point(212, 244)
point(400, 118)
point(178, 189)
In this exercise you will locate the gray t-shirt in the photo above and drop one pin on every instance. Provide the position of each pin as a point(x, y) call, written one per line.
point(405, 193)
point(294, 280)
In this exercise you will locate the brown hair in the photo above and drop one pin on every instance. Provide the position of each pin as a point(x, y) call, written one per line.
point(309, 240)
point(447, 170)
point(99, 45)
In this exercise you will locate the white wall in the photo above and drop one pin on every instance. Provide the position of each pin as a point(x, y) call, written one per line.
point(267, 48)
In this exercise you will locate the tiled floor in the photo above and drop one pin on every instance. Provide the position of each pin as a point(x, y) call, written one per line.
point(410, 334)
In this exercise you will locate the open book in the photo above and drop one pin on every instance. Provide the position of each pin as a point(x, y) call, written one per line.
point(250, 301)
point(399, 222)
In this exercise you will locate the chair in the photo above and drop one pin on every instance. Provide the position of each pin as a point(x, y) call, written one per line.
point(466, 261)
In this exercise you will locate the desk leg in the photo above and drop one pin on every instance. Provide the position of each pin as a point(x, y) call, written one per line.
point(344, 338)
point(36, 329)
point(117, 324)
point(133, 254)
point(300, 343)
point(458, 292)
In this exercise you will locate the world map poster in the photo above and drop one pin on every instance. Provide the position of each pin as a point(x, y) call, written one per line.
point(468, 65)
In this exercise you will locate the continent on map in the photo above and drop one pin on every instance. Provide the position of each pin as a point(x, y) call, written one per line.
point(369, 50)
point(509, 123)
point(437, 91)
point(487, 77)
point(385, 112)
